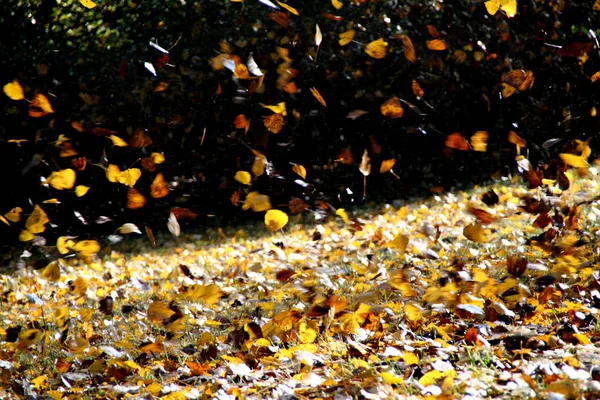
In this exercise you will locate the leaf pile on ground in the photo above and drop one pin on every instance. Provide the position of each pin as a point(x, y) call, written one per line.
point(488, 293)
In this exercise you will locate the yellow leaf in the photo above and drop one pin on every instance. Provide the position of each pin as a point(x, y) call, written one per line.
point(391, 378)
point(476, 233)
point(243, 177)
point(87, 3)
point(51, 272)
point(413, 312)
point(336, 4)
point(258, 167)
point(278, 109)
point(208, 294)
point(275, 220)
point(257, 202)
point(574, 161)
point(64, 244)
point(113, 173)
point(158, 158)
point(290, 9)
point(430, 378)
point(410, 358)
point(479, 141)
point(63, 179)
point(36, 221)
point(40, 383)
point(300, 170)
point(87, 248)
point(158, 311)
point(306, 333)
point(14, 215)
point(29, 337)
point(509, 7)
point(492, 6)
point(81, 190)
point(342, 214)
point(117, 141)
point(40, 106)
point(130, 176)
point(377, 49)
point(318, 35)
point(346, 37)
point(387, 165)
point(26, 236)
point(399, 243)
point(77, 345)
point(14, 90)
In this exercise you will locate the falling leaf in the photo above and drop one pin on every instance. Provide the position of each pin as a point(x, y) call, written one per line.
point(508, 6)
point(346, 37)
point(40, 106)
point(417, 90)
point(318, 35)
point(479, 141)
point(392, 108)
point(257, 202)
point(275, 220)
point(139, 139)
point(159, 187)
point(86, 248)
point(64, 244)
point(476, 233)
point(409, 49)
point(241, 72)
point(365, 164)
point(129, 228)
point(29, 337)
point(161, 87)
point(457, 141)
point(318, 96)
point(574, 161)
point(88, 3)
point(130, 176)
point(399, 243)
point(158, 311)
point(36, 220)
point(337, 4)
point(356, 114)
point(278, 109)
point(436, 44)
point(150, 68)
point(288, 8)
point(342, 214)
point(243, 177)
point(387, 165)
point(117, 141)
point(258, 167)
point(135, 199)
point(516, 140)
point(173, 225)
point(240, 122)
point(158, 158)
point(377, 48)
point(81, 190)
point(593, 78)
point(300, 170)
point(209, 294)
point(14, 90)
point(274, 123)
point(60, 180)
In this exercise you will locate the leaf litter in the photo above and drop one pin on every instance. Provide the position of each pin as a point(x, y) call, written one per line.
point(460, 294)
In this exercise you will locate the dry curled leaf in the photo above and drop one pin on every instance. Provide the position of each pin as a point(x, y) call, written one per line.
point(392, 108)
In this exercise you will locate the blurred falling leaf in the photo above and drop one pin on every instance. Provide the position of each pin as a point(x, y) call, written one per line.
point(516, 140)
point(318, 35)
point(86, 248)
point(342, 214)
point(161, 87)
point(318, 96)
point(88, 3)
point(436, 44)
point(139, 139)
point(77, 344)
point(117, 141)
point(346, 37)
point(275, 220)
point(40, 106)
point(173, 225)
point(399, 243)
point(476, 233)
point(14, 215)
point(409, 49)
point(337, 4)
point(258, 167)
point(297, 205)
point(129, 228)
point(387, 165)
point(240, 122)
point(457, 141)
point(300, 170)
point(14, 90)
point(377, 48)
point(81, 190)
point(158, 311)
point(30, 337)
point(278, 109)
point(130, 176)
point(159, 187)
point(209, 294)
point(574, 161)
point(365, 164)
point(243, 177)
point(257, 202)
point(64, 244)
point(135, 199)
point(288, 8)
point(274, 123)
point(392, 108)
point(417, 90)
point(508, 6)
point(479, 141)
point(36, 220)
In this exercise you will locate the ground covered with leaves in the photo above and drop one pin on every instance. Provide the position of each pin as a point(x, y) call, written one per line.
point(488, 293)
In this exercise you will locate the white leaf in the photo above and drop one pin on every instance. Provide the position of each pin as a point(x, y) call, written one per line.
point(150, 68)
point(173, 225)
point(129, 228)
point(268, 3)
point(157, 47)
point(253, 67)
point(318, 36)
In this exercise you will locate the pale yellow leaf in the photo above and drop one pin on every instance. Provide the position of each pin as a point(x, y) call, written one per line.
point(117, 141)
point(275, 220)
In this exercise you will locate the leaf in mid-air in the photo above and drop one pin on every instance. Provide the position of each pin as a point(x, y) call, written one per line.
point(14, 90)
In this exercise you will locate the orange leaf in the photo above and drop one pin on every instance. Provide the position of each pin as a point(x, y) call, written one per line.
point(479, 141)
point(436, 44)
point(457, 141)
point(417, 90)
point(274, 123)
point(318, 96)
point(290, 88)
point(183, 213)
point(595, 77)
point(160, 187)
point(387, 165)
point(392, 108)
point(40, 106)
point(409, 49)
point(140, 139)
point(135, 199)
point(240, 122)
point(433, 32)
